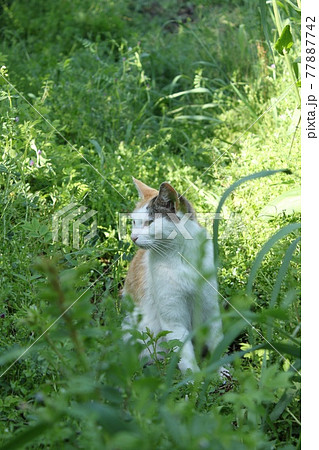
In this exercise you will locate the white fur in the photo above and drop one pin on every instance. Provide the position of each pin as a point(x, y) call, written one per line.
point(180, 284)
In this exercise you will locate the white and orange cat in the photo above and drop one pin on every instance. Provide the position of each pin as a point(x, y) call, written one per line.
point(172, 278)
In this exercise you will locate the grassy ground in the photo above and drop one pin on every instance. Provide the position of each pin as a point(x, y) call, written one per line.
point(189, 92)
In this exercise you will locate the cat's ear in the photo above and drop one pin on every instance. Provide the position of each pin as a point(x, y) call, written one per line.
point(167, 194)
point(143, 190)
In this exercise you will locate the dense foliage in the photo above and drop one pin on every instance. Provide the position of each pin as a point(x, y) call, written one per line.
point(91, 93)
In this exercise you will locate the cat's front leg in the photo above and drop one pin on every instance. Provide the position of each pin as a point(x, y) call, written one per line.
point(211, 315)
point(211, 311)
point(188, 360)
point(181, 333)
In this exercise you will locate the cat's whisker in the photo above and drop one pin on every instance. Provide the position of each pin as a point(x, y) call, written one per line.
point(151, 245)
point(168, 245)
point(158, 249)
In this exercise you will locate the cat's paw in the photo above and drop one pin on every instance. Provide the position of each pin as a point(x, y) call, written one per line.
point(224, 374)
point(188, 366)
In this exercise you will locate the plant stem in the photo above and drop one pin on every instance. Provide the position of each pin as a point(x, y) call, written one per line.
point(286, 56)
point(55, 283)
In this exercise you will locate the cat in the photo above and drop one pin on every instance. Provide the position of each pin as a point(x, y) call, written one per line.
point(172, 278)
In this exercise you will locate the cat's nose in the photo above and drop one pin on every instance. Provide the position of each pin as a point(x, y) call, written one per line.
point(134, 237)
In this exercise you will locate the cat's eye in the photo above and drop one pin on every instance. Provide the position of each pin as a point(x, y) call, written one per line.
point(147, 223)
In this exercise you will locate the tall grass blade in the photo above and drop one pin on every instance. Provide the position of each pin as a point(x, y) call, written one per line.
point(265, 249)
point(282, 404)
point(197, 117)
point(262, 174)
point(263, 15)
point(282, 271)
point(271, 346)
point(199, 90)
point(244, 100)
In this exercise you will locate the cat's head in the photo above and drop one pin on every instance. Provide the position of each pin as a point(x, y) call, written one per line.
point(157, 214)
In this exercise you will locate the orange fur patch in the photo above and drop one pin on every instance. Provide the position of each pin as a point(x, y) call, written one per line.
point(145, 200)
point(146, 193)
point(135, 279)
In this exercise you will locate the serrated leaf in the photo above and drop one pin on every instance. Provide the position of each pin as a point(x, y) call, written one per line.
point(162, 334)
point(171, 344)
point(285, 41)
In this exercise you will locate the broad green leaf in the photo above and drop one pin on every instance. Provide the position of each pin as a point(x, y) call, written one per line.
point(109, 418)
point(11, 354)
point(285, 41)
point(282, 404)
point(288, 349)
point(26, 436)
point(98, 149)
point(228, 338)
point(289, 202)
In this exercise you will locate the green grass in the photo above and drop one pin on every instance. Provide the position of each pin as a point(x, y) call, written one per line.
point(160, 93)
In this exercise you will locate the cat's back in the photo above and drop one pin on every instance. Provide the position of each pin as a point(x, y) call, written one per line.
point(135, 279)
